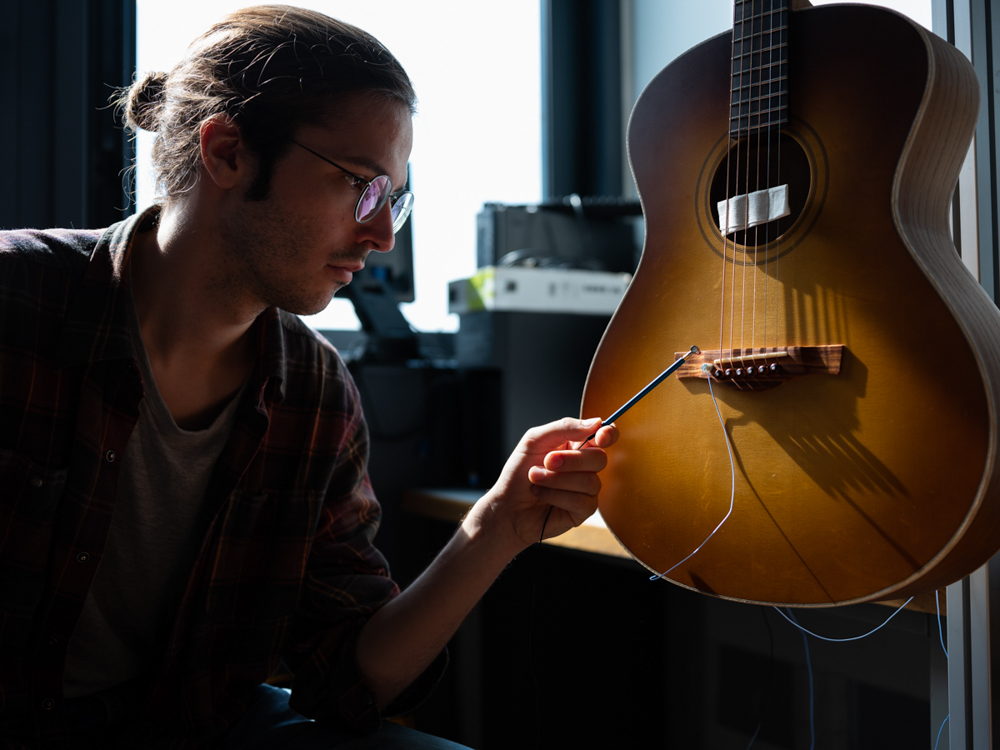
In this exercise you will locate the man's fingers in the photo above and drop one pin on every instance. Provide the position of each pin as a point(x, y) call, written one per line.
point(579, 505)
point(588, 459)
point(584, 482)
point(606, 436)
point(566, 430)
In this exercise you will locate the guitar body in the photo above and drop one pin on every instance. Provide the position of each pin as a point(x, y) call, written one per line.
point(877, 482)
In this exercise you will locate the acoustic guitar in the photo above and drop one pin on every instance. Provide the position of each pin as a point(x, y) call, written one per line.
point(796, 179)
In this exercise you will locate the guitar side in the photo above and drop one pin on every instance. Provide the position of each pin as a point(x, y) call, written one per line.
point(873, 483)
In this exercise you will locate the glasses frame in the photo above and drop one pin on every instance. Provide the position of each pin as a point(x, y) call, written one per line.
point(404, 200)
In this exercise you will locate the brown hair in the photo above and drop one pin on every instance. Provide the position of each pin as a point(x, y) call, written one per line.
point(270, 68)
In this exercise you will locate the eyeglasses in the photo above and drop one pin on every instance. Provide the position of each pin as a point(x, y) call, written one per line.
point(377, 193)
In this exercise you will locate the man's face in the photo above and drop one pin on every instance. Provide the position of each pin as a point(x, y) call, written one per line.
point(299, 245)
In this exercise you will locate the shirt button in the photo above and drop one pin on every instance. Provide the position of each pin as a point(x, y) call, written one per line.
point(83, 557)
point(110, 457)
point(51, 641)
point(48, 704)
point(35, 482)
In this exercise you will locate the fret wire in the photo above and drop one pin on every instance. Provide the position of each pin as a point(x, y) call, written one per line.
point(776, 7)
point(752, 130)
point(760, 67)
point(761, 16)
point(781, 116)
point(770, 124)
point(748, 115)
point(743, 28)
point(777, 33)
point(782, 27)
point(776, 85)
point(772, 106)
point(780, 45)
point(762, 82)
point(778, 62)
point(757, 100)
point(779, 109)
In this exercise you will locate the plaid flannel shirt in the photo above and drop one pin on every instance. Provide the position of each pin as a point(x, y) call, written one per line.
point(287, 571)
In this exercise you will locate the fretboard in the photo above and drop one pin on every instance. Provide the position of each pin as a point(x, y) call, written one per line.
point(760, 66)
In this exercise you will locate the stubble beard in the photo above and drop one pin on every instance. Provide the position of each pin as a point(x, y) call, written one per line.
point(267, 260)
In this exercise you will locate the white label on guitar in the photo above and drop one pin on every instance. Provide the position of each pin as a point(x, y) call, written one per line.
point(753, 209)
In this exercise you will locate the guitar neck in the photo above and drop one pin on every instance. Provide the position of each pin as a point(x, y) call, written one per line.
point(760, 67)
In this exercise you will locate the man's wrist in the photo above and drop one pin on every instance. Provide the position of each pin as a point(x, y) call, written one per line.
point(485, 527)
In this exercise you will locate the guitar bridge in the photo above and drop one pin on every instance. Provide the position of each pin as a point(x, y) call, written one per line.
point(761, 368)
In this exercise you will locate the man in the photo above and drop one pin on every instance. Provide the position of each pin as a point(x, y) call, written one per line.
point(184, 501)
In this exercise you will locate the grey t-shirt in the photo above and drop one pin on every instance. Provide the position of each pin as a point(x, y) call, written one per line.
point(152, 546)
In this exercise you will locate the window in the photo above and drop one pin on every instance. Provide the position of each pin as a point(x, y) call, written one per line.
point(476, 68)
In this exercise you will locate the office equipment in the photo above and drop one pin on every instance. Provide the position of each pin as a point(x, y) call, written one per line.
point(591, 233)
point(559, 290)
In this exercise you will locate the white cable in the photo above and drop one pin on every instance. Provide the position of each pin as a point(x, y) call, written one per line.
point(732, 492)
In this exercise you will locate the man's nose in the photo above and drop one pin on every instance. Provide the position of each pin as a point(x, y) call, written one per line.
point(380, 235)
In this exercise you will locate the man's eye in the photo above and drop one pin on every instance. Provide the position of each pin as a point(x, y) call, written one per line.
point(354, 182)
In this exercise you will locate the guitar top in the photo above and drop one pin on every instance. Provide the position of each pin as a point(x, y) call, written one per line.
point(795, 179)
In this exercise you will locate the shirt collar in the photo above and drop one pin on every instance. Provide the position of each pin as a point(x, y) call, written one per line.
point(97, 321)
point(271, 360)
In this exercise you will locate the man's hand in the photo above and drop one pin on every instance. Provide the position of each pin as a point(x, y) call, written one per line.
point(550, 468)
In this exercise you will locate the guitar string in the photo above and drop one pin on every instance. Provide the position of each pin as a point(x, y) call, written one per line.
point(765, 151)
point(782, 76)
point(754, 132)
point(844, 640)
point(750, 241)
point(771, 136)
point(746, 57)
point(776, 138)
point(764, 137)
point(742, 109)
point(726, 202)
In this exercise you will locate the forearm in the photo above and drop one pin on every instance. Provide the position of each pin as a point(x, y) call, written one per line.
point(546, 487)
point(402, 638)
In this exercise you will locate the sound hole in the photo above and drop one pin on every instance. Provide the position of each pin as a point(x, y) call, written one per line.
point(757, 163)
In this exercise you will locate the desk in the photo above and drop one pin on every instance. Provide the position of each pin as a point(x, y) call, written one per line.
point(593, 535)
point(682, 663)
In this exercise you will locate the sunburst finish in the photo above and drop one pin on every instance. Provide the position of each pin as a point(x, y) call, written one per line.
point(879, 481)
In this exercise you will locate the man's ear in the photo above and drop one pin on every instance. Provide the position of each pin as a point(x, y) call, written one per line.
point(223, 153)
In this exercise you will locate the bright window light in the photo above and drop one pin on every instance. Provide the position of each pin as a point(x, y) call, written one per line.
point(476, 68)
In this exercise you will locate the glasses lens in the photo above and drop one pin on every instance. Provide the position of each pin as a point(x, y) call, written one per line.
point(373, 198)
point(401, 210)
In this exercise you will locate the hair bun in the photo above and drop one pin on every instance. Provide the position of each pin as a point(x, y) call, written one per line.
point(143, 102)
